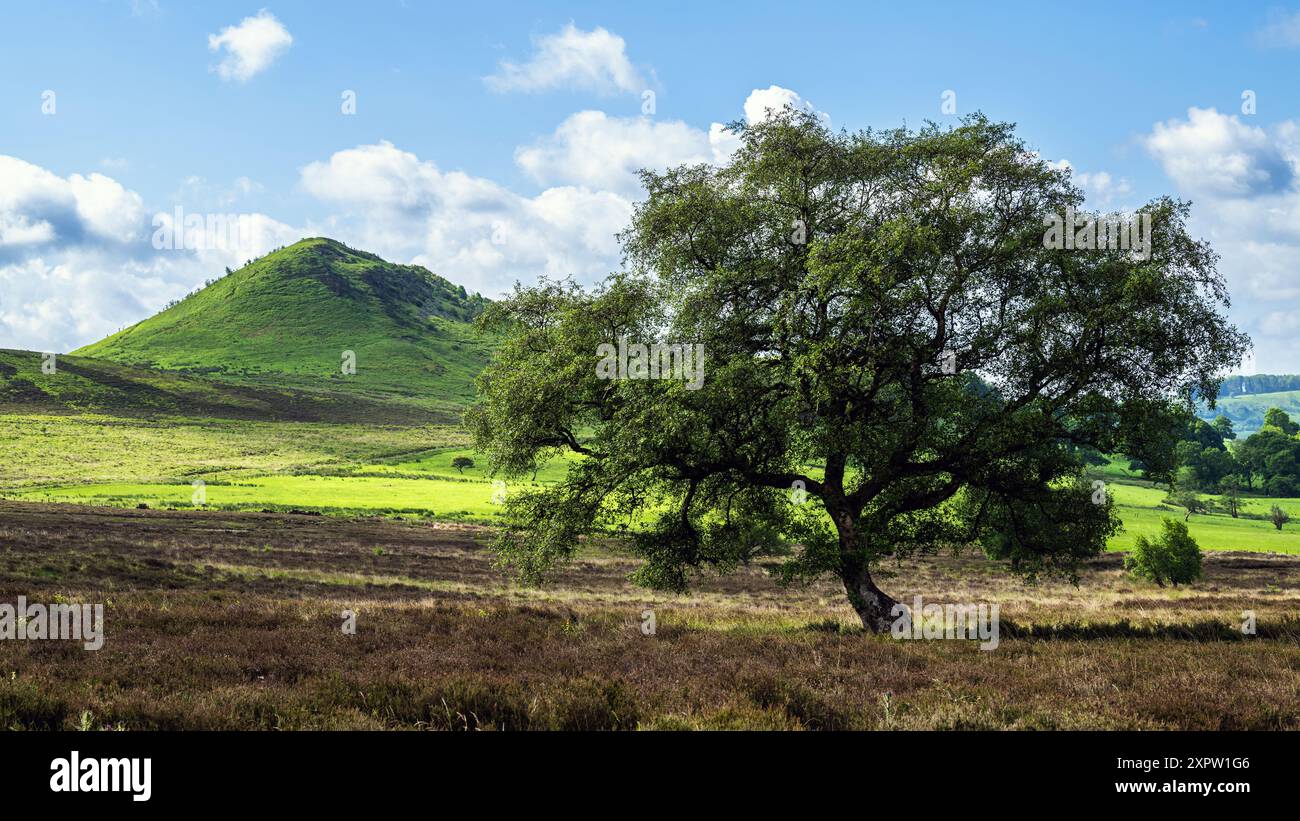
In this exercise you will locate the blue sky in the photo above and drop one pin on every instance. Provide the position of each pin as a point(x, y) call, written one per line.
point(494, 142)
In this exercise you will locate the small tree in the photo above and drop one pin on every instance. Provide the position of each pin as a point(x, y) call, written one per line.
point(1188, 501)
point(462, 462)
point(1278, 517)
point(1174, 557)
point(1231, 499)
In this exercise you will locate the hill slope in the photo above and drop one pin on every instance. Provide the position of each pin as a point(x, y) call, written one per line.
point(297, 310)
point(84, 384)
point(1247, 411)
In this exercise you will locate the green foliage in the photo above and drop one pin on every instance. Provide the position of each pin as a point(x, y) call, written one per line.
point(1203, 457)
point(831, 280)
point(462, 462)
point(1231, 501)
point(1223, 427)
point(1174, 557)
point(1246, 411)
point(1271, 457)
point(1278, 517)
point(1279, 419)
point(1188, 501)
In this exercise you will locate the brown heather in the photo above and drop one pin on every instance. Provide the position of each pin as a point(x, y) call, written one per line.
point(232, 621)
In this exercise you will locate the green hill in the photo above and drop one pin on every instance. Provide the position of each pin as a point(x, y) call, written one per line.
point(296, 311)
point(1247, 411)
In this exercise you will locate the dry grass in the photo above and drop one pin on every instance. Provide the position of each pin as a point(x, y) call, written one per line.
point(222, 620)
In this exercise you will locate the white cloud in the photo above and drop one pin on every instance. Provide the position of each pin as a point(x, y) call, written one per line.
point(38, 206)
point(1102, 190)
point(476, 232)
point(763, 102)
point(1247, 205)
point(77, 260)
point(1280, 324)
point(593, 60)
point(1218, 155)
point(593, 149)
point(251, 47)
point(468, 229)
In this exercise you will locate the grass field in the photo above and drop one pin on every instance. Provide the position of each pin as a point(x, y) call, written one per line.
point(221, 620)
point(346, 469)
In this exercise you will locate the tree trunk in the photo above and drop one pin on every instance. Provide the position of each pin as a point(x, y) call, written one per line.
point(873, 605)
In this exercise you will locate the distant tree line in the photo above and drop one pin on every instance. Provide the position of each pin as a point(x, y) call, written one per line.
point(1238, 385)
point(1210, 459)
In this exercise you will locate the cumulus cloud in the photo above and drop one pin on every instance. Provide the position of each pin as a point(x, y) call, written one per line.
point(571, 58)
point(466, 228)
point(78, 260)
point(1217, 154)
point(764, 102)
point(40, 208)
point(250, 47)
point(1246, 201)
point(1280, 324)
point(593, 149)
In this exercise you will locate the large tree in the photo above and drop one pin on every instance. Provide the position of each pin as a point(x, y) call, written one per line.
point(896, 361)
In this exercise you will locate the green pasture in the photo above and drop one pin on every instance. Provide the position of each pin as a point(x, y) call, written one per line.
point(356, 469)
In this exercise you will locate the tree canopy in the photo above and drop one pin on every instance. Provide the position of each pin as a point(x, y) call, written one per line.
point(895, 362)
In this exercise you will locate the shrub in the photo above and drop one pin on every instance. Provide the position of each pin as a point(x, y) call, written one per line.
point(1278, 517)
point(1174, 557)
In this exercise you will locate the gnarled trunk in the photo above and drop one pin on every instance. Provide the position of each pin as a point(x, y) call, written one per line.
point(873, 605)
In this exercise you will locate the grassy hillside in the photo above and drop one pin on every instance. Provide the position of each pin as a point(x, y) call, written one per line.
point(1247, 411)
point(84, 384)
point(297, 310)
